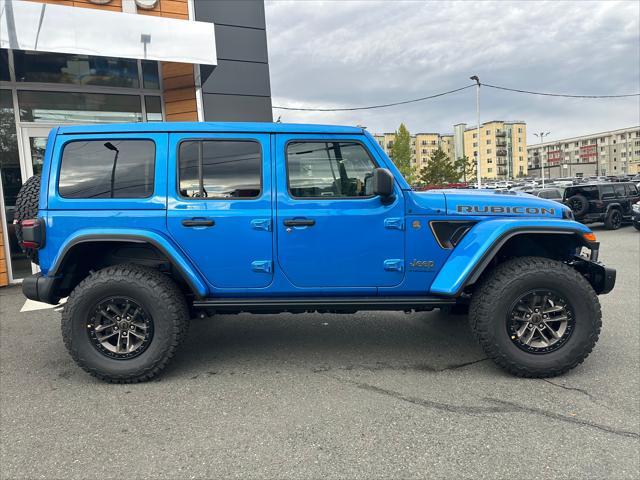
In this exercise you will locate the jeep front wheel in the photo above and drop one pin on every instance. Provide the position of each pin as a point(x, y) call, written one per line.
point(123, 324)
point(536, 317)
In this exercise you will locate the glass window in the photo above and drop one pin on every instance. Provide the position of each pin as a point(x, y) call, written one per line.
point(153, 107)
point(607, 192)
point(107, 169)
point(328, 169)
point(633, 190)
point(150, 77)
point(619, 189)
point(220, 169)
point(75, 69)
point(4, 65)
point(78, 107)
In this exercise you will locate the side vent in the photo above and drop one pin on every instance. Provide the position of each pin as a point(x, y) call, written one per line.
point(449, 233)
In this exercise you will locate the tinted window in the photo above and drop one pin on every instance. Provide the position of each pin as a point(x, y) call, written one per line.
point(328, 169)
point(550, 194)
point(107, 169)
point(607, 192)
point(75, 69)
point(220, 169)
point(633, 190)
point(619, 189)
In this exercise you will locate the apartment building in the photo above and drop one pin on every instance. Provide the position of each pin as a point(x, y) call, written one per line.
point(422, 146)
point(615, 152)
point(502, 146)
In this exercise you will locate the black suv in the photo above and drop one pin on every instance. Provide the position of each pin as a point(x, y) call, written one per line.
point(602, 202)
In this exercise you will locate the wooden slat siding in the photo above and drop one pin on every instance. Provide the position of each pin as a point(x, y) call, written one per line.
point(114, 5)
point(177, 78)
point(4, 277)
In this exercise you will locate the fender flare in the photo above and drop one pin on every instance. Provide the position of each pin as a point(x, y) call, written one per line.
point(474, 253)
point(613, 205)
point(177, 259)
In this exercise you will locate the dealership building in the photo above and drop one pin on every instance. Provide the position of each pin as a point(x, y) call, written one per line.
point(100, 61)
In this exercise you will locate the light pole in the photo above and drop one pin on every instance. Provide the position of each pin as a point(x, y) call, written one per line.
point(475, 77)
point(541, 136)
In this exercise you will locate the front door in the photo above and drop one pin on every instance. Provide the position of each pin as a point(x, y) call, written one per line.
point(331, 232)
point(219, 206)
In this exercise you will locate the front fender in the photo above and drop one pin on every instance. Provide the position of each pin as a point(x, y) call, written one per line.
point(478, 247)
point(165, 245)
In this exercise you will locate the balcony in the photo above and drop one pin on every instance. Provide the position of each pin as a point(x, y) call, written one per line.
point(501, 153)
point(501, 134)
point(502, 161)
point(502, 171)
point(501, 143)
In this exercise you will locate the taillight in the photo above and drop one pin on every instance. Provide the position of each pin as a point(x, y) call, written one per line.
point(32, 233)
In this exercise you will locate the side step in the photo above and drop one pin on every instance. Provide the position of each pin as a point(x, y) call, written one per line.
point(305, 304)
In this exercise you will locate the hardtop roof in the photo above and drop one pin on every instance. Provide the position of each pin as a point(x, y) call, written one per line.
point(209, 127)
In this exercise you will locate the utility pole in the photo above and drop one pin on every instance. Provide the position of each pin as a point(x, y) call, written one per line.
point(541, 136)
point(475, 77)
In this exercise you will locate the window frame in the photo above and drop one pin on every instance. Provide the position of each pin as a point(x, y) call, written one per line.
point(320, 140)
point(107, 139)
point(218, 139)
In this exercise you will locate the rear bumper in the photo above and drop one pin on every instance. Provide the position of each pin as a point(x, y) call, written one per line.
point(40, 288)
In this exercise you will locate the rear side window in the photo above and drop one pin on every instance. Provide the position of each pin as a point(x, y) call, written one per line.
point(633, 190)
point(607, 192)
point(328, 169)
point(619, 190)
point(107, 169)
point(220, 169)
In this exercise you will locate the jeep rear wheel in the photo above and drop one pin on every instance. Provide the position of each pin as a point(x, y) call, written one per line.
point(613, 220)
point(536, 317)
point(124, 323)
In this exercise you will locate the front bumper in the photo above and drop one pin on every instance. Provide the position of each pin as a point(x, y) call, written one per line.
point(601, 278)
point(40, 288)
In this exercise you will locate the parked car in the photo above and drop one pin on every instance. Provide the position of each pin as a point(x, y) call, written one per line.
point(555, 194)
point(602, 202)
point(143, 226)
point(635, 215)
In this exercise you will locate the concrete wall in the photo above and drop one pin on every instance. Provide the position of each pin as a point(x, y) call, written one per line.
point(238, 88)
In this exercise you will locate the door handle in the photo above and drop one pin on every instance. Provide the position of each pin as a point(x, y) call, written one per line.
point(198, 222)
point(300, 222)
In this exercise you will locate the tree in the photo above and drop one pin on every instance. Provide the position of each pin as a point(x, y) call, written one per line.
point(439, 170)
point(467, 168)
point(401, 153)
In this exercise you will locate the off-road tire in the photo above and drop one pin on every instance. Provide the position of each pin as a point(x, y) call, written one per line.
point(27, 207)
point(493, 298)
point(155, 292)
point(613, 221)
point(636, 225)
point(579, 205)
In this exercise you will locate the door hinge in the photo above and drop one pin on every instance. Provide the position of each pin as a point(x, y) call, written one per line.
point(261, 266)
point(394, 265)
point(261, 224)
point(394, 223)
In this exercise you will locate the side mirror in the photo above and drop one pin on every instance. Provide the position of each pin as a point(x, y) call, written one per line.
point(382, 185)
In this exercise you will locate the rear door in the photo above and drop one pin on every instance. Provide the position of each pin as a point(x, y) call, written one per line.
point(219, 208)
point(331, 232)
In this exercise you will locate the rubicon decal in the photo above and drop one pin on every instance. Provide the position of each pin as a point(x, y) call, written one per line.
point(483, 209)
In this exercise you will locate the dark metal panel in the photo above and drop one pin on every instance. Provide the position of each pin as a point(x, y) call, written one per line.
point(245, 13)
point(236, 108)
point(236, 78)
point(247, 44)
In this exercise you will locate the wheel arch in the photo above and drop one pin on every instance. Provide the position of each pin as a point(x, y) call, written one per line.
point(91, 251)
point(463, 270)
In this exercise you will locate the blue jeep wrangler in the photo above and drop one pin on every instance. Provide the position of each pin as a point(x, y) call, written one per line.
point(143, 226)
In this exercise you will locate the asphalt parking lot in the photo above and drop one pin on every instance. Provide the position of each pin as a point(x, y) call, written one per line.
point(373, 395)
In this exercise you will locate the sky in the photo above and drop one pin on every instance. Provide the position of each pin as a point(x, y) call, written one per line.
point(331, 54)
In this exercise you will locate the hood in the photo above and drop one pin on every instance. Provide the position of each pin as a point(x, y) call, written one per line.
point(501, 203)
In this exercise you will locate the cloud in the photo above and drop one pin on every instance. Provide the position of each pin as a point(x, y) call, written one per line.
point(333, 54)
